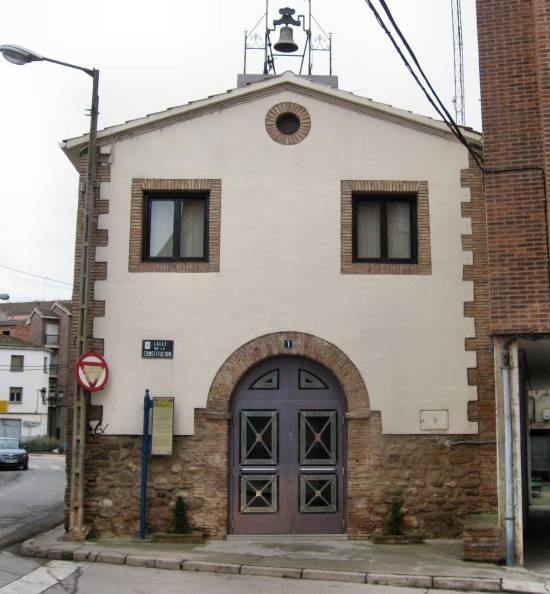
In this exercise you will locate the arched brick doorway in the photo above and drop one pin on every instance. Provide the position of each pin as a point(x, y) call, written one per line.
point(361, 426)
point(303, 345)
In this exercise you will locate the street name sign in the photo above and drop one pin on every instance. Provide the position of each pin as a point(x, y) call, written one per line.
point(92, 372)
point(157, 349)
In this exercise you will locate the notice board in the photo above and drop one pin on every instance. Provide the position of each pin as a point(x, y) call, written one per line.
point(162, 434)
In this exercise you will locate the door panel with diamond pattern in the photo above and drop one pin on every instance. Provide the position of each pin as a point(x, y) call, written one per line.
point(288, 450)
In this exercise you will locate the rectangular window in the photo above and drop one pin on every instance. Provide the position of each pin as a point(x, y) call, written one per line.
point(16, 395)
point(17, 363)
point(176, 227)
point(384, 228)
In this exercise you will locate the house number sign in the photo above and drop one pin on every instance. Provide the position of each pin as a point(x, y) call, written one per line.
point(157, 349)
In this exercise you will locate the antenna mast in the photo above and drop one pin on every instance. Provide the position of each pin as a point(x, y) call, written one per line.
point(458, 52)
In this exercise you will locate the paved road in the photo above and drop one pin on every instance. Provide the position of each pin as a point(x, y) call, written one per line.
point(61, 577)
point(31, 500)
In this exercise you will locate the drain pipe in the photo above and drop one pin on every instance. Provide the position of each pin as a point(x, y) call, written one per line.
point(508, 463)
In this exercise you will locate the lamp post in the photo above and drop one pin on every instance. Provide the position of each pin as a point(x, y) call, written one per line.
point(20, 56)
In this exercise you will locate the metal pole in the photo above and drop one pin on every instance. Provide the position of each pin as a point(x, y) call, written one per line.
point(266, 35)
point(330, 54)
point(309, 39)
point(508, 463)
point(144, 465)
point(245, 44)
point(76, 511)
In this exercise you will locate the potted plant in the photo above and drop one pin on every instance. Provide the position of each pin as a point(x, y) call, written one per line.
point(393, 533)
point(181, 531)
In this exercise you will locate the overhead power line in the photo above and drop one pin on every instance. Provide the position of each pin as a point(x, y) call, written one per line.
point(433, 98)
point(37, 276)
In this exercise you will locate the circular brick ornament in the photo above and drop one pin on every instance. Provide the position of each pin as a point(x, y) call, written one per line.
point(288, 123)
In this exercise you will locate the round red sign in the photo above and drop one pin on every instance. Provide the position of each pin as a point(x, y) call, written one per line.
point(92, 372)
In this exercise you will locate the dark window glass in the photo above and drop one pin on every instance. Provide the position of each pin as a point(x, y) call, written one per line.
point(17, 363)
point(176, 227)
point(288, 123)
point(309, 381)
point(384, 228)
point(16, 395)
point(268, 381)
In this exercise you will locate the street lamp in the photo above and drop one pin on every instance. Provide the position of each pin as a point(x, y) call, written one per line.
point(20, 56)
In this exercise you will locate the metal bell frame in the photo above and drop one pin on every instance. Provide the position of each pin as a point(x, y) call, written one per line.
point(286, 45)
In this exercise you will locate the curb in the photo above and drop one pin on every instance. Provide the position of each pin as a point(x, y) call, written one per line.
point(175, 562)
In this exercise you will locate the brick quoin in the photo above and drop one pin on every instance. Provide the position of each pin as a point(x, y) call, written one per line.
point(514, 46)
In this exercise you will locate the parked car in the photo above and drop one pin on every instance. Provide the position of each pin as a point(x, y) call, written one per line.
point(12, 454)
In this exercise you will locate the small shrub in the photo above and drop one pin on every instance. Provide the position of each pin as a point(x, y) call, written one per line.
point(43, 443)
point(180, 523)
point(394, 520)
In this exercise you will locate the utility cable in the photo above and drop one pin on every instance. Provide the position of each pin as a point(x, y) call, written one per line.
point(443, 113)
point(448, 119)
point(36, 275)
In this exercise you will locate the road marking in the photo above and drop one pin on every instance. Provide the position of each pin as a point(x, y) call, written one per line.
point(55, 468)
point(41, 579)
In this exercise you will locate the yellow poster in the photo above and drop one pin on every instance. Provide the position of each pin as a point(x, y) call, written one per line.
point(163, 427)
point(3, 406)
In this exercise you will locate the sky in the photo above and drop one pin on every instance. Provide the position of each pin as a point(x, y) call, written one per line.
point(155, 55)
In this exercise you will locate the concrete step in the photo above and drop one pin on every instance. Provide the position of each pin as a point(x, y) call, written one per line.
point(286, 537)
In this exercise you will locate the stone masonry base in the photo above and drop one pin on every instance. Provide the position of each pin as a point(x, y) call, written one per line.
point(438, 482)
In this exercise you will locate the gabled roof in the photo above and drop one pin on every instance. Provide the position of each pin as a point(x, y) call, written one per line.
point(286, 81)
point(11, 342)
point(45, 312)
point(64, 306)
point(23, 310)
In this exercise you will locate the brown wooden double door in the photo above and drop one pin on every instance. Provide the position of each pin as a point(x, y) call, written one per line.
point(288, 450)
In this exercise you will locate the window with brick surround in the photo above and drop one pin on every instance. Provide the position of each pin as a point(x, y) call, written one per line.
point(385, 227)
point(175, 225)
point(17, 363)
point(16, 395)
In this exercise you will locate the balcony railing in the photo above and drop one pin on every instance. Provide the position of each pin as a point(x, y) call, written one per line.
point(51, 339)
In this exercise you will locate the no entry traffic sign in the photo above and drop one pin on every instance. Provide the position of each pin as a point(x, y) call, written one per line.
point(92, 372)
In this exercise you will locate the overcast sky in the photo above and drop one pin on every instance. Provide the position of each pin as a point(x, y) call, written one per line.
point(154, 55)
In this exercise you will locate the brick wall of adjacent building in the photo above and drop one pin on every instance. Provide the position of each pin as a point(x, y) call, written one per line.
point(514, 43)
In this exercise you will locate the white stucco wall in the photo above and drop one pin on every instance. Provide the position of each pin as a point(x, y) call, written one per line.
point(31, 410)
point(280, 265)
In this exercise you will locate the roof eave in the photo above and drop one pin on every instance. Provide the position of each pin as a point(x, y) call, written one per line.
point(73, 147)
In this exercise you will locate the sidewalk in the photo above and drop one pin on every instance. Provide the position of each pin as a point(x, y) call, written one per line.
point(434, 564)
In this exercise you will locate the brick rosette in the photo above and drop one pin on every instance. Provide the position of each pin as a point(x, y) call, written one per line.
point(288, 107)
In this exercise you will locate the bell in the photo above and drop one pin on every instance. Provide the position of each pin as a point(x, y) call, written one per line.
point(286, 42)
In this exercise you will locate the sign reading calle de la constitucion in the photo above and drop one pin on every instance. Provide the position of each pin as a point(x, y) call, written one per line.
point(157, 349)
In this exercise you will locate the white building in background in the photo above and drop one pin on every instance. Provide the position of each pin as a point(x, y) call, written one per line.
point(24, 378)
